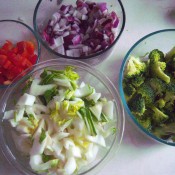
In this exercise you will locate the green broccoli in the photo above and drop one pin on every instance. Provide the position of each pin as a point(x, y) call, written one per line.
point(158, 85)
point(157, 67)
point(160, 103)
point(165, 131)
point(158, 116)
point(145, 123)
point(137, 104)
point(134, 67)
point(149, 88)
point(137, 81)
point(146, 91)
point(156, 55)
point(170, 93)
point(129, 90)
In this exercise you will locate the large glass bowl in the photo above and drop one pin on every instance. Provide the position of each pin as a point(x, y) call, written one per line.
point(16, 31)
point(87, 74)
point(44, 10)
point(163, 40)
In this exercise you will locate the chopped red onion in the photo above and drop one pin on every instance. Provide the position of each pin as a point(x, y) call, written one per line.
point(82, 30)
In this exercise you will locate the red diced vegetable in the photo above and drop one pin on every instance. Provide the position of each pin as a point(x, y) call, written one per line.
point(7, 46)
point(15, 59)
point(33, 59)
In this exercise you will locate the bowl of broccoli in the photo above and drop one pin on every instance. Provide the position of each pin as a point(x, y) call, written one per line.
point(147, 85)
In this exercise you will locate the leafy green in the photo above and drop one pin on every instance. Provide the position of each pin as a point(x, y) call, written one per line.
point(88, 119)
point(46, 158)
point(49, 94)
point(42, 136)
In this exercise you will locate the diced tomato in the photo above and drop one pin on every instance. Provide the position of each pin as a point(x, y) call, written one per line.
point(30, 47)
point(14, 50)
point(21, 46)
point(3, 59)
point(7, 64)
point(2, 51)
point(33, 58)
point(15, 59)
point(7, 46)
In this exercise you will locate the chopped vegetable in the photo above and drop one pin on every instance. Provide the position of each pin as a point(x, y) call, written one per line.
point(149, 88)
point(60, 123)
point(14, 59)
point(82, 30)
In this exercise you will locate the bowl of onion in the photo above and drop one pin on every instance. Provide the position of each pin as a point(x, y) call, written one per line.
point(63, 117)
point(19, 50)
point(80, 30)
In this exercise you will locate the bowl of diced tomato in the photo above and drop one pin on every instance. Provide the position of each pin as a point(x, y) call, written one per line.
point(19, 50)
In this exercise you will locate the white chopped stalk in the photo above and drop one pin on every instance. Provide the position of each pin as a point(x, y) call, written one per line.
point(108, 109)
point(38, 147)
point(84, 91)
point(70, 166)
point(98, 139)
point(39, 108)
point(94, 96)
point(9, 115)
point(62, 82)
point(96, 110)
point(26, 99)
point(91, 152)
point(37, 89)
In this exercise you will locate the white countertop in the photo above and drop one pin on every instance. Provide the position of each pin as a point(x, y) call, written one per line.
point(138, 155)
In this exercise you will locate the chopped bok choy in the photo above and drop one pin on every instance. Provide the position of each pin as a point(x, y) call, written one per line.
point(61, 124)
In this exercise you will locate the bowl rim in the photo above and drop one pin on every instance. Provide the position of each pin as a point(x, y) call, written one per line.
point(116, 142)
point(82, 57)
point(36, 38)
point(121, 92)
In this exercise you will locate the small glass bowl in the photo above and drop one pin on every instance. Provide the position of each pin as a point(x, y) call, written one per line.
point(16, 31)
point(87, 74)
point(163, 40)
point(45, 9)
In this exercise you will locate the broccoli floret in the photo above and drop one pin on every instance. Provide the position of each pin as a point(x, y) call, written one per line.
point(165, 131)
point(156, 55)
point(158, 85)
point(157, 67)
point(158, 116)
point(134, 67)
point(137, 81)
point(129, 90)
point(160, 103)
point(137, 104)
point(145, 123)
point(147, 93)
point(170, 93)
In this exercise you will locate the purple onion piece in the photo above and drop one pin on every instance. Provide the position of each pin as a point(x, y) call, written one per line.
point(82, 30)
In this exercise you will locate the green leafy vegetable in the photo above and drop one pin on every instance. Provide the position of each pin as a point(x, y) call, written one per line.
point(49, 94)
point(42, 136)
point(88, 119)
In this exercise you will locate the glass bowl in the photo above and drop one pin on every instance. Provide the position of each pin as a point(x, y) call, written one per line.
point(16, 31)
point(44, 11)
point(163, 40)
point(87, 74)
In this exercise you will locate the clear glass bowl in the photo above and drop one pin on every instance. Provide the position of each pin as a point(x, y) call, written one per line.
point(87, 74)
point(16, 31)
point(44, 10)
point(163, 40)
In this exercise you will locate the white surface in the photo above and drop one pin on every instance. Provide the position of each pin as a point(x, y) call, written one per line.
point(138, 155)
